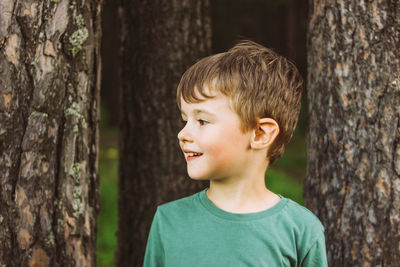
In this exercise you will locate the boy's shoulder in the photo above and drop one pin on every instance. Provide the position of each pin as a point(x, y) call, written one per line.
point(179, 206)
point(301, 217)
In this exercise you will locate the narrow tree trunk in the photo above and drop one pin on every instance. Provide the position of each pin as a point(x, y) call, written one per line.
point(291, 32)
point(49, 97)
point(353, 181)
point(110, 45)
point(159, 41)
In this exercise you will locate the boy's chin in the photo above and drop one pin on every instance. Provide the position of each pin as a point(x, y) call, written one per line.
point(199, 178)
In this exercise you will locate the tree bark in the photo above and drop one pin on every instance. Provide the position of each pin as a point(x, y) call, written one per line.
point(353, 181)
point(291, 32)
point(110, 44)
point(49, 97)
point(159, 41)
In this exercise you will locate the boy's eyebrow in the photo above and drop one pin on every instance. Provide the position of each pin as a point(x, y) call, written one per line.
point(198, 111)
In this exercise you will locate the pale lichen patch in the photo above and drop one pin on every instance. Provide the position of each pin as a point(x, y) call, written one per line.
point(11, 49)
point(77, 206)
point(39, 258)
point(74, 110)
point(75, 172)
point(51, 239)
point(79, 36)
point(24, 238)
point(77, 39)
point(79, 21)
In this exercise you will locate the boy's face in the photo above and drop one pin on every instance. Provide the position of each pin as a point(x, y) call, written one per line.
point(212, 141)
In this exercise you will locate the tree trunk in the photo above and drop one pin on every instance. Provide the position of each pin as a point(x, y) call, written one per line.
point(159, 41)
point(353, 181)
point(110, 45)
point(291, 32)
point(49, 97)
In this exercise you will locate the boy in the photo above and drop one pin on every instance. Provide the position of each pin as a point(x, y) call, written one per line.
point(240, 108)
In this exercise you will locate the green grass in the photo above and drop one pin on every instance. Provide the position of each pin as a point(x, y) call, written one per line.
point(285, 185)
point(107, 219)
point(286, 176)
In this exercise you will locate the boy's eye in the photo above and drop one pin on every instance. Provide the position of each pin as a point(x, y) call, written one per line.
point(202, 122)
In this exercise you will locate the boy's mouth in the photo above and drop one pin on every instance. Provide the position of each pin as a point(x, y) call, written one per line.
point(192, 155)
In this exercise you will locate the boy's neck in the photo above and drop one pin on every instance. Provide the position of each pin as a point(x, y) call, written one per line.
point(241, 195)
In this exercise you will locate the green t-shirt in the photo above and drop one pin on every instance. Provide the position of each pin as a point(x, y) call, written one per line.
point(193, 232)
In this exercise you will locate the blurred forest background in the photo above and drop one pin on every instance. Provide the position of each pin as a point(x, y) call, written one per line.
point(277, 24)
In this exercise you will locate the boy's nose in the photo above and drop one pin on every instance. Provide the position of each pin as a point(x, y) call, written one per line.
point(183, 135)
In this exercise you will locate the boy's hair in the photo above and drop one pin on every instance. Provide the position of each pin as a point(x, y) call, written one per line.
point(259, 84)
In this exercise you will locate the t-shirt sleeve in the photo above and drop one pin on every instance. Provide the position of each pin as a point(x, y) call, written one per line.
point(154, 255)
point(316, 256)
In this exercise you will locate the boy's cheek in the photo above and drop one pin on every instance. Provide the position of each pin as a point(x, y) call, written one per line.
point(222, 157)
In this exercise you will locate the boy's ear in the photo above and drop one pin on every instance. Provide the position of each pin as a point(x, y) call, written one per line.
point(264, 135)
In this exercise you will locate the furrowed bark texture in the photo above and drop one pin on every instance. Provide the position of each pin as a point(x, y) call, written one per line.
point(353, 181)
point(49, 112)
point(159, 41)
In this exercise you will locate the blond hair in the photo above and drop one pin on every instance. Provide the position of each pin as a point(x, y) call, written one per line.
point(259, 84)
